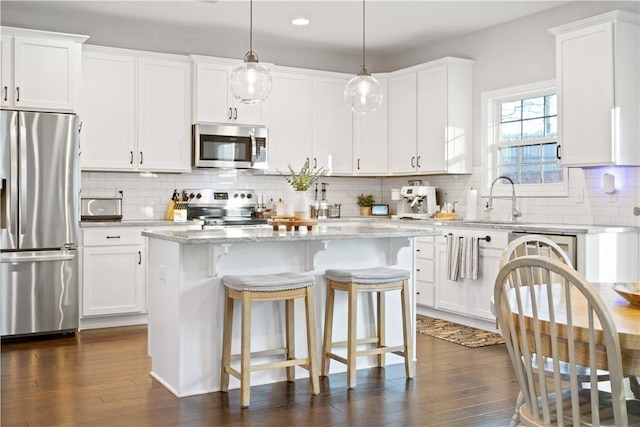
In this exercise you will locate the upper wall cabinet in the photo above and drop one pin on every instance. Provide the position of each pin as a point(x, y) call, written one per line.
point(370, 138)
point(597, 67)
point(332, 125)
point(430, 118)
point(445, 114)
point(287, 114)
point(213, 98)
point(136, 111)
point(40, 70)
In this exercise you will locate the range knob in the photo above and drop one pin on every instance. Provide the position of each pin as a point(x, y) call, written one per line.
point(198, 196)
point(249, 195)
point(242, 196)
point(236, 195)
point(191, 196)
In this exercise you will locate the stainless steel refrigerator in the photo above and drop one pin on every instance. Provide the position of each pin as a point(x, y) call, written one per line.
point(39, 222)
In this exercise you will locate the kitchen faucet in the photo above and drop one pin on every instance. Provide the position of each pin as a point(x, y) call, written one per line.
point(515, 213)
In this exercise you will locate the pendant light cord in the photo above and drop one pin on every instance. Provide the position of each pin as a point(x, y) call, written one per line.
point(251, 26)
point(363, 31)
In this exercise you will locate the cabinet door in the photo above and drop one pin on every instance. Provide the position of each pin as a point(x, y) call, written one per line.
point(107, 140)
point(287, 115)
point(432, 123)
point(113, 280)
point(164, 126)
point(371, 138)
point(403, 121)
point(481, 290)
point(332, 126)
point(450, 295)
point(45, 74)
point(586, 96)
point(214, 99)
point(6, 70)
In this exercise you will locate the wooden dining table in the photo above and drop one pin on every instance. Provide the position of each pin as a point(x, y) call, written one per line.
point(625, 316)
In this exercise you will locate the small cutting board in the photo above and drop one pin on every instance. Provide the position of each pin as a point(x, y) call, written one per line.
point(293, 223)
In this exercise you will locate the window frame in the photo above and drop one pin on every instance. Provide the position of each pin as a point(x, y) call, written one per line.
point(490, 116)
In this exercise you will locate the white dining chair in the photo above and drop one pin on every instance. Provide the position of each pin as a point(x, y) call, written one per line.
point(530, 315)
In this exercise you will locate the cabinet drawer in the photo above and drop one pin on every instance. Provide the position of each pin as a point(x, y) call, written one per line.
point(112, 236)
point(425, 250)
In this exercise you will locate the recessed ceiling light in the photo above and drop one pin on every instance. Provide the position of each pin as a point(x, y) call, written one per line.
point(300, 21)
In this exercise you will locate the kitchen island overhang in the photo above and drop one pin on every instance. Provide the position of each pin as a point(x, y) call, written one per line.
point(186, 295)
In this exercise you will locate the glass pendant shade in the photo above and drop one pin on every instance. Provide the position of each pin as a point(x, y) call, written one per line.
point(363, 93)
point(251, 81)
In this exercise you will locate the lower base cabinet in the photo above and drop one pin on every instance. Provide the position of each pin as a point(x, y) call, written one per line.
point(113, 271)
point(466, 297)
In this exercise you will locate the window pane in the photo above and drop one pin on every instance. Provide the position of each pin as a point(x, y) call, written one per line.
point(530, 154)
point(510, 171)
point(532, 108)
point(510, 131)
point(551, 127)
point(551, 105)
point(530, 174)
point(510, 111)
point(508, 155)
point(532, 129)
point(552, 174)
point(549, 152)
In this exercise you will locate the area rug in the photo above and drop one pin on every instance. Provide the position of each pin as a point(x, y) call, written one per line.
point(455, 333)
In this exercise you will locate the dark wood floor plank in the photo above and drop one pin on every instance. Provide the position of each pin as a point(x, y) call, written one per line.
point(101, 378)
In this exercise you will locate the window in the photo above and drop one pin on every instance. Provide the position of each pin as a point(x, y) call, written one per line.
point(521, 140)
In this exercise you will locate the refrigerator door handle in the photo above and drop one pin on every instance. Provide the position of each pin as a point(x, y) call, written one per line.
point(35, 256)
point(22, 167)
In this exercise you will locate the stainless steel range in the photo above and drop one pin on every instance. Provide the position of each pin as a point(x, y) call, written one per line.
point(224, 208)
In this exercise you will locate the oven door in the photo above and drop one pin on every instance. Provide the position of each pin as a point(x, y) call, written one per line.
point(230, 146)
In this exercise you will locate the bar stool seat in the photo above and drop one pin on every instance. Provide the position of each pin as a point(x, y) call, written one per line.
point(379, 280)
point(267, 287)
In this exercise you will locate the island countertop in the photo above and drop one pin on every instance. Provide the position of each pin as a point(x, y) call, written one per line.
point(320, 232)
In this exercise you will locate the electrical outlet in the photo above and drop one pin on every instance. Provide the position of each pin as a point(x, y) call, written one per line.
point(163, 272)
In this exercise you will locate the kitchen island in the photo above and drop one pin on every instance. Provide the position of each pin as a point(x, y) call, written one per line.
point(186, 301)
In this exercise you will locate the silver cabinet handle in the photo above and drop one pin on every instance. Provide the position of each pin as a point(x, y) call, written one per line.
point(358, 164)
point(413, 158)
point(131, 157)
point(113, 237)
point(418, 161)
point(141, 157)
point(17, 94)
point(6, 93)
point(230, 113)
point(315, 162)
point(139, 258)
point(235, 114)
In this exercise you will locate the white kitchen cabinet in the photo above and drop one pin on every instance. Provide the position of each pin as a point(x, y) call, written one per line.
point(403, 122)
point(113, 271)
point(445, 113)
point(40, 70)
point(136, 111)
point(371, 136)
point(213, 99)
point(332, 126)
point(287, 115)
point(466, 296)
point(426, 271)
point(597, 68)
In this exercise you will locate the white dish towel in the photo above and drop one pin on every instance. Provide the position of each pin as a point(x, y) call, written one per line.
point(453, 257)
point(469, 257)
point(462, 257)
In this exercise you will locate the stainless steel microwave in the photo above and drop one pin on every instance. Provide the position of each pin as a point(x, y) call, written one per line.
point(219, 145)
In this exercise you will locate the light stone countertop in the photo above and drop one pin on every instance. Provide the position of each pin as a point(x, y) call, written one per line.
point(320, 232)
point(137, 223)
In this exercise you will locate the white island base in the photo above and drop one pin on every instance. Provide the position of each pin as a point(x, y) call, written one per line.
point(186, 299)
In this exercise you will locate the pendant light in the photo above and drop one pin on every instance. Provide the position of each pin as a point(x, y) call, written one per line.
point(364, 92)
point(251, 81)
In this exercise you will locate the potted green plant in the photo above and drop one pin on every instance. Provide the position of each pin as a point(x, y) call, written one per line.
point(365, 203)
point(301, 181)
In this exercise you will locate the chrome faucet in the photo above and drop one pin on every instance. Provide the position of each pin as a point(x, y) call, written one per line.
point(515, 213)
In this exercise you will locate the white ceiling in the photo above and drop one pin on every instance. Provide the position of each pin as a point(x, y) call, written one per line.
point(222, 28)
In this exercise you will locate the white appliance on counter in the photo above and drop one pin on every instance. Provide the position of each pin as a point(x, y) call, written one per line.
point(417, 202)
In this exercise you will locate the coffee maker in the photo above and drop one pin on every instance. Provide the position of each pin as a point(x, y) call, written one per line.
point(417, 201)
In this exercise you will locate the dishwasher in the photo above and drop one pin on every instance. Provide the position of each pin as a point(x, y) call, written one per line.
point(568, 243)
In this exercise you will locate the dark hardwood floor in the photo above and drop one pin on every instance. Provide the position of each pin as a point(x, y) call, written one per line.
point(101, 378)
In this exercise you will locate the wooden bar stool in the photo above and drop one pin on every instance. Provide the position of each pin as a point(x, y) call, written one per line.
point(380, 280)
point(268, 287)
